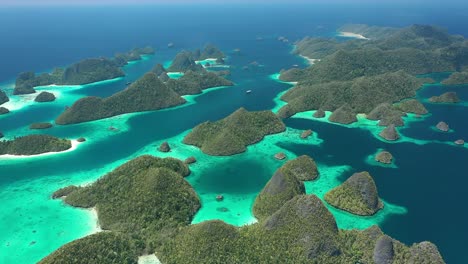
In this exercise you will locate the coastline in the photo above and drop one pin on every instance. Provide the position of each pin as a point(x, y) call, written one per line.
point(346, 34)
point(74, 146)
point(95, 220)
point(310, 61)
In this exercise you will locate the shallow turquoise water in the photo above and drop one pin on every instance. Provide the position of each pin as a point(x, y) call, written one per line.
point(429, 179)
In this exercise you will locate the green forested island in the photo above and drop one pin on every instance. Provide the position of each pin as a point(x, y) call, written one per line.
point(186, 60)
point(457, 78)
point(33, 145)
point(234, 133)
point(357, 195)
point(147, 93)
point(155, 90)
point(366, 73)
point(3, 97)
point(286, 183)
point(83, 72)
point(146, 206)
point(45, 97)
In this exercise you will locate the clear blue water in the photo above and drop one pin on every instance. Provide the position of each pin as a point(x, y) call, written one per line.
point(429, 181)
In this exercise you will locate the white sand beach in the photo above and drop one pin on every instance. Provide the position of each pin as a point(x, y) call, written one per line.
point(74, 146)
point(95, 219)
point(351, 35)
point(309, 60)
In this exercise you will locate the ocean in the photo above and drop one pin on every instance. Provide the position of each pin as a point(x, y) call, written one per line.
point(424, 194)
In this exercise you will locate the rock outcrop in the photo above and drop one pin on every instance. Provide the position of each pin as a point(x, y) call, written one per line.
point(343, 115)
point(442, 126)
point(45, 97)
point(357, 195)
point(390, 133)
point(164, 147)
point(384, 157)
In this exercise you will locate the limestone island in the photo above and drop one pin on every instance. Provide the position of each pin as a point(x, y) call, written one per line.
point(364, 74)
point(286, 183)
point(154, 91)
point(384, 157)
point(4, 110)
point(45, 97)
point(457, 78)
point(147, 93)
point(83, 72)
point(448, 97)
point(40, 126)
point(3, 97)
point(145, 206)
point(149, 201)
point(33, 145)
point(187, 60)
point(357, 195)
point(234, 133)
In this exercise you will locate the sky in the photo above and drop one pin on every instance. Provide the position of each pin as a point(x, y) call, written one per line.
point(133, 2)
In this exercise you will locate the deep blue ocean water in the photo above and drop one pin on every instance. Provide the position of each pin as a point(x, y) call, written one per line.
point(429, 181)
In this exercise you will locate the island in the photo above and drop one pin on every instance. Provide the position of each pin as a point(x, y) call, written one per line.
point(234, 133)
point(45, 97)
point(457, 78)
point(196, 82)
point(367, 73)
point(146, 198)
point(286, 183)
point(40, 126)
point(33, 145)
point(412, 106)
point(154, 91)
point(3, 97)
point(4, 110)
point(187, 60)
point(145, 206)
point(384, 157)
point(147, 93)
point(357, 195)
point(83, 72)
point(448, 97)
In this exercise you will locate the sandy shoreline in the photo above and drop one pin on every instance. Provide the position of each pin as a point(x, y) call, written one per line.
point(95, 219)
point(309, 60)
point(74, 146)
point(351, 35)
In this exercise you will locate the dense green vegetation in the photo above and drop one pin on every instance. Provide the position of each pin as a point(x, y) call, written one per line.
point(91, 70)
point(83, 72)
point(195, 82)
point(147, 198)
point(284, 185)
point(343, 115)
point(412, 106)
point(448, 97)
point(456, 78)
point(357, 195)
point(104, 247)
point(122, 59)
point(26, 81)
point(45, 97)
point(362, 95)
point(33, 145)
point(186, 60)
point(147, 93)
point(366, 73)
point(4, 110)
point(3, 97)
point(40, 126)
point(149, 212)
point(371, 32)
point(281, 188)
point(232, 134)
point(155, 90)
